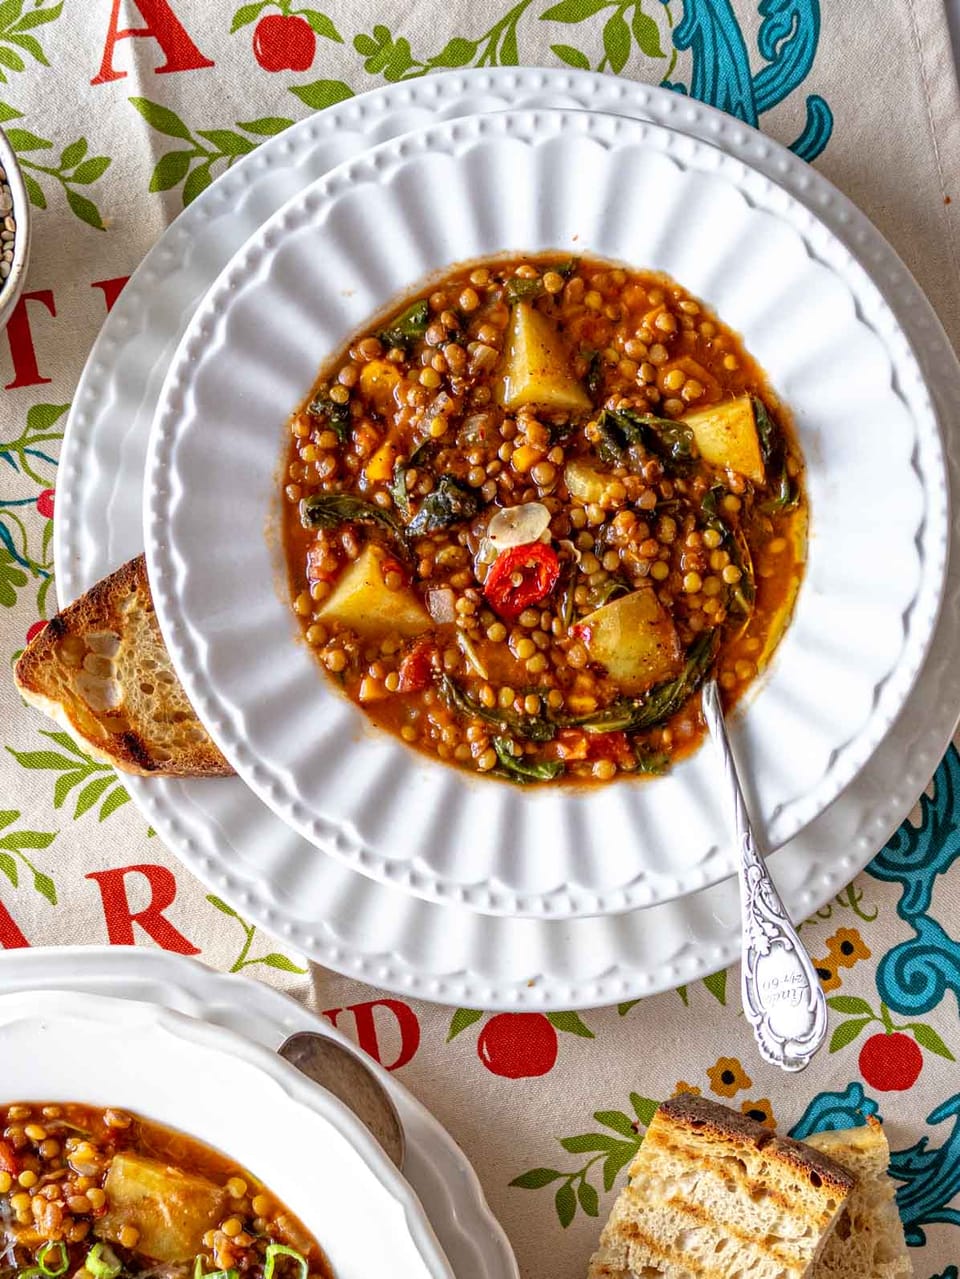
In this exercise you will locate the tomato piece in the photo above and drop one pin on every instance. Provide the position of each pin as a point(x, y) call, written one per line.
point(615, 746)
point(8, 1159)
point(416, 669)
point(521, 576)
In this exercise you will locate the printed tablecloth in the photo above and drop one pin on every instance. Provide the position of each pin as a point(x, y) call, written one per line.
point(122, 112)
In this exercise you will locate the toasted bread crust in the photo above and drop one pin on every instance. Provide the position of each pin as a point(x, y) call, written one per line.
point(710, 1120)
point(128, 709)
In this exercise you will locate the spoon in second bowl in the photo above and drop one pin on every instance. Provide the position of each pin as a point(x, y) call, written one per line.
point(782, 996)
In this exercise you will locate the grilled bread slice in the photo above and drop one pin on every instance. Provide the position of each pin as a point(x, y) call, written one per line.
point(867, 1241)
point(101, 669)
point(715, 1195)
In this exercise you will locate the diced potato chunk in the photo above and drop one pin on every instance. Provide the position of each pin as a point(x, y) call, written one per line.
point(378, 380)
point(380, 467)
point(585, 482)
point(537, 366)
point(726, 435)
point(634, 638)
point(362, 601)
point(171, 1209)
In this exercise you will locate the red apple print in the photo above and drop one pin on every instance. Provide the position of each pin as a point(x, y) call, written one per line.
point(45, 504)
point(284, 43)
point(890, 1063)
point(35, 629)
point(518, 1045)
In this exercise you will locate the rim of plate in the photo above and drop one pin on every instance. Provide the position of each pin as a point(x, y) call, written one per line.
point(285, 778)
point(442, 1177)
point(364, 929)
point(37, 1014)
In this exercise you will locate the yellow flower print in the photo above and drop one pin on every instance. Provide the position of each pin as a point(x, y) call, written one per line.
point(760, 1110)
point(827, 972)
point(846, 946)
point(682, 1086)
point(727, 1077)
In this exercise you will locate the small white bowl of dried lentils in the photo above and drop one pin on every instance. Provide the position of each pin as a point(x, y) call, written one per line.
point(14, 230)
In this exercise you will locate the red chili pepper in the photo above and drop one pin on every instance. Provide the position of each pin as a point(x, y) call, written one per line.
point(8, 1159)
point(416, 669)
point(522, 576)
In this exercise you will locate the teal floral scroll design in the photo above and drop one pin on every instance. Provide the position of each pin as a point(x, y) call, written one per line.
point(914, 976)
point(721, 74)
point(830, 1111)
point(930, 1176)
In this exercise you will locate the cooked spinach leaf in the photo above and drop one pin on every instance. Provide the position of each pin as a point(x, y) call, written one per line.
point(328, 510)
point(447, 504)
point(519, 769)
point(532, 728)
point(335, 416)
point(593, 378)
point(398, 485)
point(609, 590)
point(566, 269)
point(785, 493)
point(619, 429)
point(520, 290)
point(630, 714)
point(653, 762)
point(408, 326)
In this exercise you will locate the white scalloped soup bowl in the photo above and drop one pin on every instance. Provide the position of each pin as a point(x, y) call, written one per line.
point(369, 232)
point(242, 1099)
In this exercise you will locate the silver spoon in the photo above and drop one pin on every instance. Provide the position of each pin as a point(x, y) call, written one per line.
point(343, 1073)
point(781, 993)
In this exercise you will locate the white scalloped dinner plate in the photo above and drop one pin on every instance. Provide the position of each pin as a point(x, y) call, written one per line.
point(227, 837)
point(434, 1165)
point(199, 1077)
point(365, 234)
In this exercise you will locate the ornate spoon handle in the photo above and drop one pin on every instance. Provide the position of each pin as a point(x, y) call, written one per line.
point(781, 993)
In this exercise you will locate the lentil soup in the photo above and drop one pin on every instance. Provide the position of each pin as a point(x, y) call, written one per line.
point(87, 1193)
point(527, 516)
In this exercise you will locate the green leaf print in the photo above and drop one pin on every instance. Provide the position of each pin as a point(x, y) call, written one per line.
point(391, 56)
point(536, 1178)
point(322, 93)
point(847, 1032)
point(271, 960)
point(162, 119)
point(12, 578)
point(572, 57)
point(97, 781)
point(461, 1019)
point(73, 170)
point(928, 1038)
point(15, 28)
point(625, 25)
point(246, 14)
point(193, 166)
point(610, 1153)
point(570, 1023)
point(850, 1004)
point(13, 843)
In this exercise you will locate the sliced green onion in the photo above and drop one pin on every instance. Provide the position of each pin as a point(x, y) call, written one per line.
point(58, 1266)
point(198, 1271)
point(103, 1262)
point(275, 1250)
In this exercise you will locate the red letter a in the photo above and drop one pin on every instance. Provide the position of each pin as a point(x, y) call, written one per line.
point(163, 26)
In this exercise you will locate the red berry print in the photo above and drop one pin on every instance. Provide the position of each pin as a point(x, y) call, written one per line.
point(890, 1063)
point(35, 630)
point(284, 42)
point(518, 1045)
point(45, 504)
